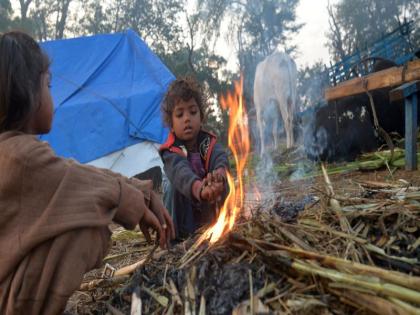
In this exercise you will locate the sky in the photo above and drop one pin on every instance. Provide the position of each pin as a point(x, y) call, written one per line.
point(310, 40)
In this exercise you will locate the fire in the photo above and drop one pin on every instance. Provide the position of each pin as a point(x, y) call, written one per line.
point(239, 144)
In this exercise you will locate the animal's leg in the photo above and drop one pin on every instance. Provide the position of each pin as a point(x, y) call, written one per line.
point(289, 133)
point(287, 117)
point(275, 129)
point(261, 131)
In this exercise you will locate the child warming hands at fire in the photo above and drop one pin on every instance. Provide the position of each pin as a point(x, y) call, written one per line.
point(194, 162)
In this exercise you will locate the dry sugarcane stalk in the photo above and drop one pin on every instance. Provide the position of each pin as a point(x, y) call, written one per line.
point(91, 285)
point(408, 308)
point(136, 304)
point(347, 266)
point(372, 303)
point(188, 307)
point(293, 238)
point(111, 257)
point(310, 224)
point(251, 293)
point(341, 264)
point(335, 205)
point(113, 310)
point(161, 299)
point(131, 268)
point(174, 292)
point(170, 310)
point(376, 184)
point(371, 283)
point(202, 310)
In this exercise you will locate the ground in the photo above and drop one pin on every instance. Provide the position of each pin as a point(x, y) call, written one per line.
point(129, 247)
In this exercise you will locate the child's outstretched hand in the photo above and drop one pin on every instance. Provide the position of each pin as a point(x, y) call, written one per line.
point(213, 187)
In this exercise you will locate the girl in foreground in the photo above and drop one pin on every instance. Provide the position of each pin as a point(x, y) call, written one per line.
point(54, 212)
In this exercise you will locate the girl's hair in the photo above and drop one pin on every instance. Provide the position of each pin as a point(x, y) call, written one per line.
point(183, 88)
point(22, 62)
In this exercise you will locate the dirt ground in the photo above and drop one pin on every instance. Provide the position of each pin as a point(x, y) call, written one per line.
point(129, 247)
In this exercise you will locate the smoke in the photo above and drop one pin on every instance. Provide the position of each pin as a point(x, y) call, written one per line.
point(266, 177)
point(311, 139)
point(315, 140)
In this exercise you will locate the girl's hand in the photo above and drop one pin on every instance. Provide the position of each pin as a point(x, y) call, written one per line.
point(149, 220)
point(158, 218)
point(163, 216)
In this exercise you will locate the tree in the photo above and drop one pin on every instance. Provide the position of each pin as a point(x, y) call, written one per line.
point(311, 83)
point(5, 15)
point(62, 10)
point(95, 19)
point(24, 6)
point(356, 24)
point(44, 19)
point(258, 28)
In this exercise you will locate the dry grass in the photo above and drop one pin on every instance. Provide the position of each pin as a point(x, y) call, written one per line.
point(274, 262)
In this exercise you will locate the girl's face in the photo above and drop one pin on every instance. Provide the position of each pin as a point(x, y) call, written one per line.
point(186, 121)
point(40, 122)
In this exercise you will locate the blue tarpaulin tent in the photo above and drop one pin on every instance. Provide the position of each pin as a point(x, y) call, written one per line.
point(107, 91)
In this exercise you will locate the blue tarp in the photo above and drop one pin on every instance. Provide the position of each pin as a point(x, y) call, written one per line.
point(107, 91)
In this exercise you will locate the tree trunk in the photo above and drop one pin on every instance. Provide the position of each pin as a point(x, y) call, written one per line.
point(61, 18)
point(24, 5)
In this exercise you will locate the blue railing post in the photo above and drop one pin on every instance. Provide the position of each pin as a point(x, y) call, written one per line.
point(408, 92)
point(411, 132)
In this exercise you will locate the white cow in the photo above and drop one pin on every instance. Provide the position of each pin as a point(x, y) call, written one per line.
point(276, 81)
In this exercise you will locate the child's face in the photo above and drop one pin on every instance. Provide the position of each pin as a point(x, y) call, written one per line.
point(42, 118)
point(186, 120)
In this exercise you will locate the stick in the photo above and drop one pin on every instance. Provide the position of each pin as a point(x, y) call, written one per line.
point(335, 205)
point(113, 310)
point(103, 283)
point(251, 293)
point(131, 268)
point(174, 292)
point(373, 303)
point(136, 302)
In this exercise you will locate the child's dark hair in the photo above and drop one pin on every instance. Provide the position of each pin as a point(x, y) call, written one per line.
point(183, 88)
point(22, 62)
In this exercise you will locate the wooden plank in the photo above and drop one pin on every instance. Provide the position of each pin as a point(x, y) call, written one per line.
point(381, 79)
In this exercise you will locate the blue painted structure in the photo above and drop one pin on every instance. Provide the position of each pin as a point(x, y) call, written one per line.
point(408, 92)
point(395, 46)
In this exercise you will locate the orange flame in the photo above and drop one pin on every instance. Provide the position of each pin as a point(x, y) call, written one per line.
point(239, 144)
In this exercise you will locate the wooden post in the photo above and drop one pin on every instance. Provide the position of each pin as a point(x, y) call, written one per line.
point(408, 92)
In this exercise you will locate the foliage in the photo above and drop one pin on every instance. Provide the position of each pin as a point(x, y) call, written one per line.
point(311, 83)
point(355, 24)
point(5, 15)
point(257, 29)
point(184, 33)
point(214, 84)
